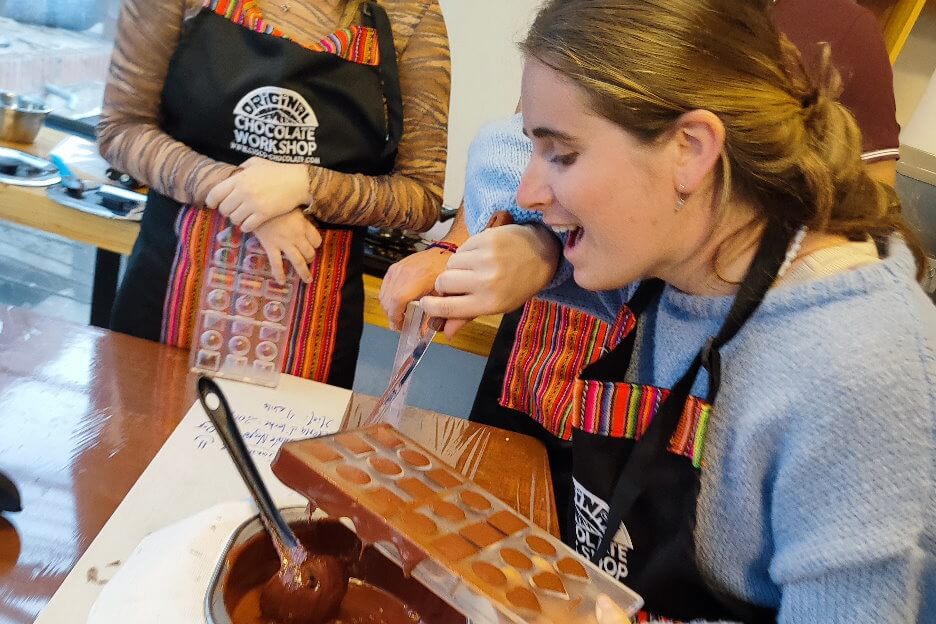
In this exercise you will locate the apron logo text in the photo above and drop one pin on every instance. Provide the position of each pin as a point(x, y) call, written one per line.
point(591, 516)
point(277, 124)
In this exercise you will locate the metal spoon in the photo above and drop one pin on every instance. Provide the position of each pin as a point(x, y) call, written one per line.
point(308, 588)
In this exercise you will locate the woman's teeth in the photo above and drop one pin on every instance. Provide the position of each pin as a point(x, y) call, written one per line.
point(573, 232)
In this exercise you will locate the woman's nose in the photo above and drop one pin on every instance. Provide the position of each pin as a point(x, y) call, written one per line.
point(534, 193)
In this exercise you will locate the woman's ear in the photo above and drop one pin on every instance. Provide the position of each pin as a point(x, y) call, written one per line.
point(699, 137)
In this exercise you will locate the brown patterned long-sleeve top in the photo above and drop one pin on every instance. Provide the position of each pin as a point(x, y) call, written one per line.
point(409, 197)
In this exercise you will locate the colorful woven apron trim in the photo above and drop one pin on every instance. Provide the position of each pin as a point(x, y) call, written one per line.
point(315, 323)
point(357, 44)
point(622, 410)
point(553, 344)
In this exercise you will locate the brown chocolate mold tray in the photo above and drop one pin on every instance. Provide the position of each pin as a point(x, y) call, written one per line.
point(471, 549)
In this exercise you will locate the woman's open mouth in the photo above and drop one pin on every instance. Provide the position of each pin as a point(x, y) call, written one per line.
point(574, 234)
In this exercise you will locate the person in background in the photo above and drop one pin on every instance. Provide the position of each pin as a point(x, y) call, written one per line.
point(540, 348)
point(759, 443)
point(301, 122)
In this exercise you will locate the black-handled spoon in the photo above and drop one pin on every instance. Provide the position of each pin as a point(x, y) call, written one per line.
point(308, 588)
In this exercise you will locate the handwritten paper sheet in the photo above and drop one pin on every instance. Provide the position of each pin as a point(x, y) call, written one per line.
point(192, 472)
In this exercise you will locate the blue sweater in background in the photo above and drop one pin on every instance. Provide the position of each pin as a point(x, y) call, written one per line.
point(817, 492)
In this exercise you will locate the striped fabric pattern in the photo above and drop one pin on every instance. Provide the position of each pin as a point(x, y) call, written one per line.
point(623, 410)
point(553, 344)
point(194, 227)
point(357, 44)
point(314, 329)
point(315, 321)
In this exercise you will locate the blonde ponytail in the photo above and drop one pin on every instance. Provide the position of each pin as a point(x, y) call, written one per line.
point(791, 150)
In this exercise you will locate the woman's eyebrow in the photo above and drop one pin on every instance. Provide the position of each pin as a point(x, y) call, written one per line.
point(542, 132)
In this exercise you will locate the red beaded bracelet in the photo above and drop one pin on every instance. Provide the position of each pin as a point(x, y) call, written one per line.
point(447, 246)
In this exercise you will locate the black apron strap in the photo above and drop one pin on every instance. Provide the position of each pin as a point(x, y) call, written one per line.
point(376, 17)
point(632, 479)
point(619, 359)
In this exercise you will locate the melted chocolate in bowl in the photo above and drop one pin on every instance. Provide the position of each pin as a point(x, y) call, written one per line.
point(377, 590)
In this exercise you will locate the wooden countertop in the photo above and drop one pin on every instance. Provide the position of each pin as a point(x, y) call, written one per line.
point(32, 207)
point(79, 426)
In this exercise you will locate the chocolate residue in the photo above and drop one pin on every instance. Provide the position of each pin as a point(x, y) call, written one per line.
point(506, 522)
point(384, 466)
point(310, 593)
point(448, 511)
point(415, 488)
point(549, 582)
point(516, 559)
point(352, 474)
point(475, 500)
point(481, 534)
point(541, 546)
point(443, 478)
point(454, 547)
point(488, 573)
point(571, 567)
point(523, 598)
point(414, 458)
point(376, 592)
point(354, 444)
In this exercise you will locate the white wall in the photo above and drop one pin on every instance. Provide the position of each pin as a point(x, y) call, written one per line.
point(483, 36)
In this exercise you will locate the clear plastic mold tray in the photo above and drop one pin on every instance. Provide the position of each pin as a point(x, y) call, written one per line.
point(245, 315)
point(480, 556)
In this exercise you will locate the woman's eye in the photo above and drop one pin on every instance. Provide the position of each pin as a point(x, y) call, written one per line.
point(564, 159)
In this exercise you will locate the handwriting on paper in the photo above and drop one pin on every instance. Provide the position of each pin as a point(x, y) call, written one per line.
point(265, 431)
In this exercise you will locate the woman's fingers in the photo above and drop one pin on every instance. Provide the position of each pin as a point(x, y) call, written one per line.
point(217, 195)
point(275, 255)
point(299, 263)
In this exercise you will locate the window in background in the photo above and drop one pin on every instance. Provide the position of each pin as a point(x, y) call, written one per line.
point(58, 50)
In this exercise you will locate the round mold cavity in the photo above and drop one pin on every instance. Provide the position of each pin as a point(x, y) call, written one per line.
point(274, 311)
point(211, 339)
point(475, 501)
point(265, 351)
point(246, 305)
point(238, 345)
point(219, 299)
point(572, 568)
point(540, 546)
point(489, 573)
point(414, 459)
point(385, 466)
point(352, 474)
point(516, 559)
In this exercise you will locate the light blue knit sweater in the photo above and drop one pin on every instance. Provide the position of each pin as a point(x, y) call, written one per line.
point(818, 480)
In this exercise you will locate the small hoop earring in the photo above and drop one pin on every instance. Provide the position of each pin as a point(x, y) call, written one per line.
point(681, 197)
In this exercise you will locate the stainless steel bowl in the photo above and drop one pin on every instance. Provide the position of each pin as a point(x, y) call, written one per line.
point(21, 117)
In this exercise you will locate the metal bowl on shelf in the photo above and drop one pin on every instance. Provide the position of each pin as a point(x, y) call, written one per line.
point(21, 117)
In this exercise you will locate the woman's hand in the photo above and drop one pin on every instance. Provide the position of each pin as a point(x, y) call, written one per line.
point(606, 612)
point(291, 235)
point(494, 271)
point(408, 280)
point(260, 191)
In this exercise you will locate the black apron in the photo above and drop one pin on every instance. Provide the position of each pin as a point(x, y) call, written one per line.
point(231, 93)
point(635, 495)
